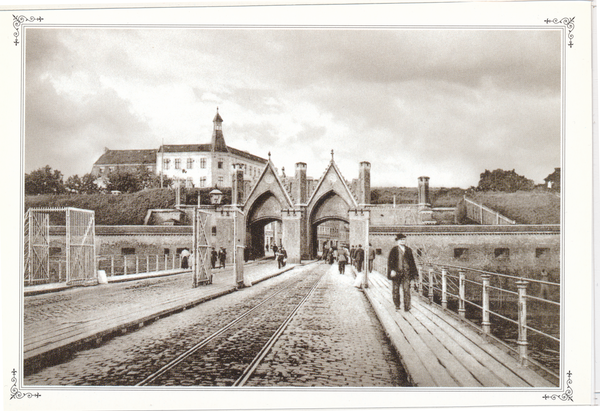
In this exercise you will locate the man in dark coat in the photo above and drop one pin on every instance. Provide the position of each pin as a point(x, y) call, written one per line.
point(359, 256)
point(213, 258)
point(401, 269)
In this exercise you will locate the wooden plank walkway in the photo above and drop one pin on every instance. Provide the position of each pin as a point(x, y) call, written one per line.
point(438, 350)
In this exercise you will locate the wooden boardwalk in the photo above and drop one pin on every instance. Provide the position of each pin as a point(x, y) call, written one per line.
point(439, 350)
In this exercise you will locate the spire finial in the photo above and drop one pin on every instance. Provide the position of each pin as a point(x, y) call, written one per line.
point(331, 154)
point(269, 155)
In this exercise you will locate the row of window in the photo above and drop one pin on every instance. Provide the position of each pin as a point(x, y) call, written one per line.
point(189, 163)
point(501, 253)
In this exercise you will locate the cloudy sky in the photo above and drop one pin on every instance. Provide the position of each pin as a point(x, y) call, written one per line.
point(447, 104)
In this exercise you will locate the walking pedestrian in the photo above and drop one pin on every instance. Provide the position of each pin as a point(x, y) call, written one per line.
point(343, 256)
point(361, 276)
point(544, 288)
point(371, 256)
point(214, 255)
point(401, 270)
point(222, 257)
point(185, 255)
point(352, 255)
point(281, 257)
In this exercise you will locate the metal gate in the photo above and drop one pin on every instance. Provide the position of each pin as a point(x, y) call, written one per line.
point(202, 248)
point(239, 241)
point(79, 241)
point(37, 247)
point(81, 247)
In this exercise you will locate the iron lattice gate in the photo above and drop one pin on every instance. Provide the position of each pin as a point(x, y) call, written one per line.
point(202, 249)
point(81, 251)
point(79, 241)
point(37, 247)
point(239, 231)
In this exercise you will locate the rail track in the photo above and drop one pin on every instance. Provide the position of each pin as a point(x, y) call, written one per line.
point(231, 354)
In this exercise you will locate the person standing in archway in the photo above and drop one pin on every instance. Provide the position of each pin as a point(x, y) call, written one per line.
point(401, 270)
point(343, 257)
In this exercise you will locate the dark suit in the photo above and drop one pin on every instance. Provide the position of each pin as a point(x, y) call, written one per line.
point(403, 263)
point(359, 256)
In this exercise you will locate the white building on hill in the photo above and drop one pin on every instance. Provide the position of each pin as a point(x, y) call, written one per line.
point(199, 165)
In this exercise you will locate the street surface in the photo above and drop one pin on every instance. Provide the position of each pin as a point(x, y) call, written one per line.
point(334, 340)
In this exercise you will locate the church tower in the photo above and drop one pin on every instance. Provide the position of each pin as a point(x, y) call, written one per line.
point(219, 155)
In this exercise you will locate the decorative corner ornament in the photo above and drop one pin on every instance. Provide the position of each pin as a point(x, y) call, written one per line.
point(18, 21)
point(14, 390)
point(565, 396)
point(570, 26)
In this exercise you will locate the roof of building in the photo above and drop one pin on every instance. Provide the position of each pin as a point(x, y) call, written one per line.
point(127, 157)
point(195, 148)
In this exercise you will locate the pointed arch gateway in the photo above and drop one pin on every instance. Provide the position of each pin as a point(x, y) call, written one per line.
point(263, 206)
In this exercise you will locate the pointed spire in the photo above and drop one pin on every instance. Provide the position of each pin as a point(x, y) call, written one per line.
point(331, 154)
point(218, 141)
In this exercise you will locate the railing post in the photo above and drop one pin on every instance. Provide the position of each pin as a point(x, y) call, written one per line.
point(430, 285)
point(485, 303)
point(461, 294)
point(59, 270)
point(522, 338)
point(173, 263)
point(157, 263)
point(112, 265)
point(124, 265)
point(166, 261)
point(137, 264)
point(420, 285)
point(147, 263)
point(444, 285)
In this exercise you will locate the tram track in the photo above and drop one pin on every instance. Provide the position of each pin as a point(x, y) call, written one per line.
point(262, 325)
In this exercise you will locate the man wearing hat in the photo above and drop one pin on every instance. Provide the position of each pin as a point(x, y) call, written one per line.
point(401, 269)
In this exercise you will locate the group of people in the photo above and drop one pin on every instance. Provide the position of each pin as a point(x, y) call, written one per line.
point(220, 256)
point(401, 267)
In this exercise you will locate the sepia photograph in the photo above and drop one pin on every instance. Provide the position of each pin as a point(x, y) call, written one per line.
point(272, 207)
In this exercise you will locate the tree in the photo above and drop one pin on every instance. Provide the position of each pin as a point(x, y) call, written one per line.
point(84, 185)
point(553, 180)
point(44, 181)
point(123, 181)
point(501, 180)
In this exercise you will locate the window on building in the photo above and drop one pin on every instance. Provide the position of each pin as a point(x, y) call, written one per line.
point(214, 230)
point(378, 251)
point(166, 163)
point(202, 163)
point(220, 164)
point(101, 170)
point(461, 252)
point(221, 180)
point(542, 252)
point(111, 169)
point(502, 253)
point(202, 182)
point(54, 251)
point(167, 251)
point(127, 251)
point(149, 168)
point(190, 163)
point(177, 163)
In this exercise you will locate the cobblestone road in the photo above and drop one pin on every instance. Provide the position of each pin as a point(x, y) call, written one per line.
point(86, 302)
point(334, 341)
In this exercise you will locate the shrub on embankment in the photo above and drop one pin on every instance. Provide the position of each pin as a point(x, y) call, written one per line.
point(122, 209)
point(524, 207)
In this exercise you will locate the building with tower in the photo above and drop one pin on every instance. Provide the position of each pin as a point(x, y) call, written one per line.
point(196, 165)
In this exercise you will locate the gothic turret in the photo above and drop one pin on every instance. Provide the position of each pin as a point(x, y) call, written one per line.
point(218, 141)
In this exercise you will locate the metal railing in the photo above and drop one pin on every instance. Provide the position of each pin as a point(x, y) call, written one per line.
point(485, 215)
point(137, 264)
point(523, 313)
point(506, 306)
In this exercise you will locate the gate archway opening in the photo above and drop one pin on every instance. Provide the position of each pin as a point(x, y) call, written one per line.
point(328, 233)
point(263, 226)
point(263, 234)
